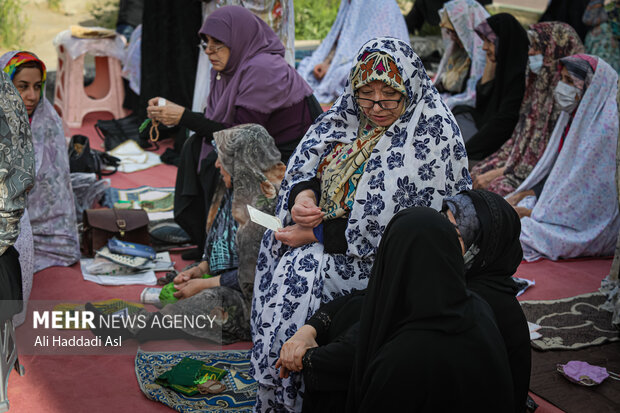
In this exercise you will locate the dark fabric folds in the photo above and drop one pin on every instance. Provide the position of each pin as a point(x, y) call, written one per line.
point(491, 277)
point(421, 329)
point(568, 11)
point(497, 112)
point(169, 51)
point(11, 294)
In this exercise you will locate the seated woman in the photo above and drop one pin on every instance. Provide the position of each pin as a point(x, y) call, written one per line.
point(603, 39)
point(250, 83)
point(499, 91)
point(463, 62)
point(568, 202)
point(489, 229)
point(358, 21)
point(427, 11)
point(426, 342)
point(16, 179)
point(50, 202)
point(251, 171)
point(387, 144)
point(506, 169)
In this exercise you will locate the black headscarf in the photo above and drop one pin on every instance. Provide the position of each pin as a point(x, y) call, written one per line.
point(500, 249)
point(434, 298)
point(417, 292)
point(568, 11)
point(497, 114)
point(490, 276)
point(427, 11)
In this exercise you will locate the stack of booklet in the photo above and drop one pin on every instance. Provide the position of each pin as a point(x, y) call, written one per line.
point(122, 262)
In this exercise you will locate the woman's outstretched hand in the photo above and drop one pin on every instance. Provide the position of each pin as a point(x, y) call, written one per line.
point(294, 349)
point(305, 211)
point(296, 235)
point(169, 114)
point(482, 181)
point(194, 286)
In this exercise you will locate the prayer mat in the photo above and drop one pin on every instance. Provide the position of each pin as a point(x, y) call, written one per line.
point(547, 383)
point(571, 323)
point(149, 198)
point(240, 393)
point(107, 307)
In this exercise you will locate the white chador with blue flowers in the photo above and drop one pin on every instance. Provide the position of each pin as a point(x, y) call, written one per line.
point(416, 161)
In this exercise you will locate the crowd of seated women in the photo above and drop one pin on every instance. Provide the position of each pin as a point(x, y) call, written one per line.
point(533, 118)
point(407, 205)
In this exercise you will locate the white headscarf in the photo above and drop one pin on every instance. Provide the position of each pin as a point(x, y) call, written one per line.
point(577, 212)
point(464, 15)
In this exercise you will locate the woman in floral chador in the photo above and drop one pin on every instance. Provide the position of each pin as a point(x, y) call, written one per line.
point(504, 171)
point(388, 143)
point(568, 202)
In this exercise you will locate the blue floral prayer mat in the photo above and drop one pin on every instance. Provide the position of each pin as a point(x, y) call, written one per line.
point(240, 393)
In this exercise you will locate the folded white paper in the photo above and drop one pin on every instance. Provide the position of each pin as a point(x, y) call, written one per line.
point(265, 220)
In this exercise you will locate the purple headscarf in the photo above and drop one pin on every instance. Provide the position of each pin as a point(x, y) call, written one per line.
point(256, 76)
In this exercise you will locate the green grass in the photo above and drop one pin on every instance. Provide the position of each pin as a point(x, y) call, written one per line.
point(105, 12)
point(54, 4)
point(12, 23)
point(314, 18)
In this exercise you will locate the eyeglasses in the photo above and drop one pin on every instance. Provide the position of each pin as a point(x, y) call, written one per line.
point(215, 47)
point(383, 104)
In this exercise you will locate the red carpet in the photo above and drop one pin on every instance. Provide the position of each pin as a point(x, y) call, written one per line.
point(93, 384)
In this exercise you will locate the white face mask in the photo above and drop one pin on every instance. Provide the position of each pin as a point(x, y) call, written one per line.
point(535, 63)
point(567, 96)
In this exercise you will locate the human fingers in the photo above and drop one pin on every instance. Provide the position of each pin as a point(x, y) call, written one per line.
point(180, 293)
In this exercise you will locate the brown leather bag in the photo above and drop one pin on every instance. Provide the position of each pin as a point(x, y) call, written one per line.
point(102, 224)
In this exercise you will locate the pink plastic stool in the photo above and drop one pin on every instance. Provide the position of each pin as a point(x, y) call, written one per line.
point(73, 101)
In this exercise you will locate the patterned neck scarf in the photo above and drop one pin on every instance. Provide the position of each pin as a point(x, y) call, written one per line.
point(581, 68)
point(341, 171)
point(23, 57)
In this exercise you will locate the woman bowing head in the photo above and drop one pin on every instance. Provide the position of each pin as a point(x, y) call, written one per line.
point(388, 143)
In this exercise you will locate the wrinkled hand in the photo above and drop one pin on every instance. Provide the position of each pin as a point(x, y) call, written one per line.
point(295, 236)
point(320, 70)
point(482, 181)
point(169, 114)
point(194, 272)
point(305, 212)
point(192, 287)
point(516, 198)
point(523, 212)
point(294, 349)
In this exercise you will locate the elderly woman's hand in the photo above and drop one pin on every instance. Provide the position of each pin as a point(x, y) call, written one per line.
point(195, 272)
point(522, 211)
point(294, 349)
point(168, 114)
point(305, 212)
point(194, 286)
point(296, 236)
point(516, 198)
point(482, 181)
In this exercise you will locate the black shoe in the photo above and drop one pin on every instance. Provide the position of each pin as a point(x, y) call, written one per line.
point(194, 254)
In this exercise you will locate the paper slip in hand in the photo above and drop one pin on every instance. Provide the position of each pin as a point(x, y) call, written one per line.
point(265, 220)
